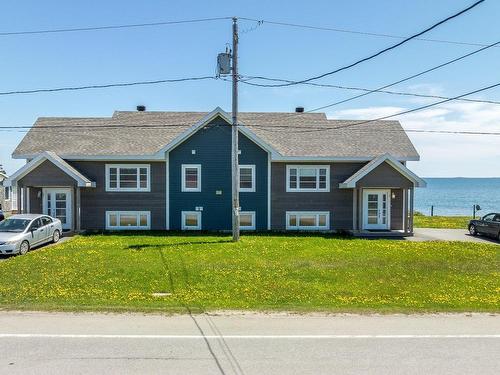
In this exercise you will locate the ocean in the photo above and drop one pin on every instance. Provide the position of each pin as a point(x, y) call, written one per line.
point(456, 196)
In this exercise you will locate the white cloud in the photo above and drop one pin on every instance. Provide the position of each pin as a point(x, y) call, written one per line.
point(447, 155)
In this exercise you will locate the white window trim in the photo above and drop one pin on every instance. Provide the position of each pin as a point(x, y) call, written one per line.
point(9, 189)
point(252, 189)
point(183, 222)
point(252, 214)
point(138, 188)
point(299, 213)
point(183, 176)
point(317, 167)
point(137, 213)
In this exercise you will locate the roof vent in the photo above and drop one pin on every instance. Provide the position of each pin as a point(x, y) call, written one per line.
point(299, 109)
point(141, 108)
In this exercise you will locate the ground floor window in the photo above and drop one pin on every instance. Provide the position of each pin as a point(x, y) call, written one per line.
point(191, 220)
point(128, 220)
point(247, 220)
point(311, 220)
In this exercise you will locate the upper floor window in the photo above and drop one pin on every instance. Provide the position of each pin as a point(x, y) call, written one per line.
point(247, 178)
point(191, 177)
point(128, 177)
point(308, 178)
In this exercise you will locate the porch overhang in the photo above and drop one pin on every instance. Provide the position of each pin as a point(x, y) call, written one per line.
point(80, 179)
point(351, 182)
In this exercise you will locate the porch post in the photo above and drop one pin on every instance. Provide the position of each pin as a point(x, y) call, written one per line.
point(360, 209)
point(405, 211)
point(78, 213)
point(412, 190)
point(354, 209)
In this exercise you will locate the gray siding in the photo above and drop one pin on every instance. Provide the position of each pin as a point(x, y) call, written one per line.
point(397, 209)
point(35, 200)
point(212, 146)
point(96, 201)
point(384, 176)
point(47, 174)
point(338, 201)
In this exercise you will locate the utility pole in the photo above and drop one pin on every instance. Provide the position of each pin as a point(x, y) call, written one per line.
point(234, 138)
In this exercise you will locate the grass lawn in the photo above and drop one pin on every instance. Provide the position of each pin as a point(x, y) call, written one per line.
point(449, 222)
point(262, 272)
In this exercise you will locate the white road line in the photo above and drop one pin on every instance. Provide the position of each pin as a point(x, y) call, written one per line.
point(108, 336)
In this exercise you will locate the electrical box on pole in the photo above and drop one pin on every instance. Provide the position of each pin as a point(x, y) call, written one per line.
point(224, 63)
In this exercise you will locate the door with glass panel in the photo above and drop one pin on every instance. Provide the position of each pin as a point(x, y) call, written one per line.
point(57, 203)
point(376, 209)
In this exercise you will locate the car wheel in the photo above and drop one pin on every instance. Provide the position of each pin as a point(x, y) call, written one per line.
point(473, 230)
point(24, 248)
point(56, 236)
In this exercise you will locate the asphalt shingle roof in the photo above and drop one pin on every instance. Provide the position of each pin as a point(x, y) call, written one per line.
point(291, 134)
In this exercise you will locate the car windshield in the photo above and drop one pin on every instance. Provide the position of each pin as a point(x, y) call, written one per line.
point(14, 225)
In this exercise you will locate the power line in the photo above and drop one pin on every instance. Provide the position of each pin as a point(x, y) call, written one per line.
point(268, 128)
point(401, 93)
point(351, 65)
point(111, 27)
point(360, 131)
point(402, 112)
point(379, 89)
point(259, 21)
point(358, 32)
point(108, 85)
point(288, 127)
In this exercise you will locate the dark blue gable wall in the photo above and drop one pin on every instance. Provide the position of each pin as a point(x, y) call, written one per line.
point(213, 151)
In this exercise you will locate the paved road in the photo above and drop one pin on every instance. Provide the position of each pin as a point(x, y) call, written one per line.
point(431, 234)
point(43, 343)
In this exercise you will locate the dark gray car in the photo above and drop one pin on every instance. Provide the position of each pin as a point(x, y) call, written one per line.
point(488, 225)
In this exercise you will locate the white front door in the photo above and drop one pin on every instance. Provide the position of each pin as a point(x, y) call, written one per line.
point(57, 203)
point(376, 209)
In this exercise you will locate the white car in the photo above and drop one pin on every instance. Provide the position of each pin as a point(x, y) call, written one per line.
point(20, 233)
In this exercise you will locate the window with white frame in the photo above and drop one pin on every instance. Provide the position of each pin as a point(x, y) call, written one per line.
point(7, 193)
point(191, 220)
point(247, 178)
point(247, 220)
point(191, 177)
point(128, 220)
point(308, 178)
point(128, 177)
point(313, 220)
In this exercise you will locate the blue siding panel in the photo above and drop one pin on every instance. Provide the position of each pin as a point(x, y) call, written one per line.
point(213, 151)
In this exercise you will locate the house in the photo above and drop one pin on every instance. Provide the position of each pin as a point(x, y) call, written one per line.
point(5, 192)
point(172, 171)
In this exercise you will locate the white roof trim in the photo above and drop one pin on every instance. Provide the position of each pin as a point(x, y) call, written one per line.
point(58, 162)
point(124, 158)
point(351, 181)
point(280, 158)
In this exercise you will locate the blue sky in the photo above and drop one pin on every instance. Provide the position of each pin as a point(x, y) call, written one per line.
point(69, 59)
